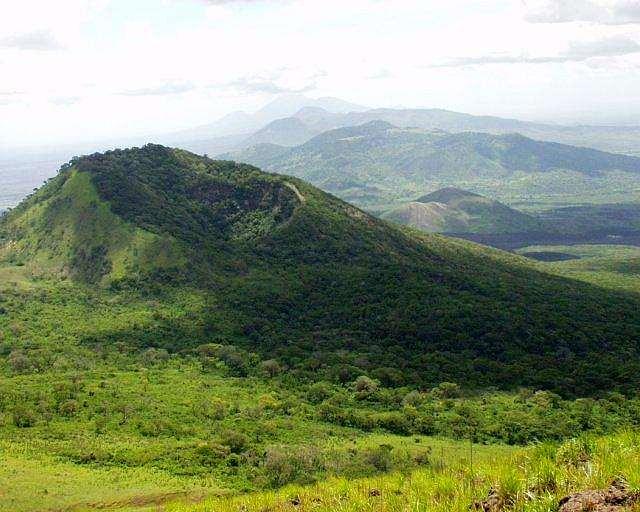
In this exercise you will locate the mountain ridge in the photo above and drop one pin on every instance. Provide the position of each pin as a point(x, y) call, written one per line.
point(316, 283)
point(243, 123)
point(618, 139)
point(453, 210)
point(377, 163)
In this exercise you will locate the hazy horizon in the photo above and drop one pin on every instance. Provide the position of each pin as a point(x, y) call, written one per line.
point(96, 70)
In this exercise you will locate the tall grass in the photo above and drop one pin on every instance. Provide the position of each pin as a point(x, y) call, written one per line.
point(530, 479)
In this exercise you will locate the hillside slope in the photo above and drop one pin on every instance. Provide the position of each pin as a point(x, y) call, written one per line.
point(282, 268)
point(377, 163)
point(284, 132)
point(618, 139)
point(452, 210)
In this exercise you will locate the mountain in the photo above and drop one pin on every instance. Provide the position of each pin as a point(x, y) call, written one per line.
point(242, 123)
point(288, 104)
point(225, 253)
point(619, 139)
point(289, 131)
point(377, 164)
point(452, 210)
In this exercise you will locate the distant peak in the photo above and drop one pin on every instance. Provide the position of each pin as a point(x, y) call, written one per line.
point(446, 194)
point(310, 111)
point(378, 124)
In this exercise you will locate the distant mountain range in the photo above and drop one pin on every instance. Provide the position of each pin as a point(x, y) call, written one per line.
point(313, 117)
point(282, 107)
point(378, 164)
point(452, 210)
point(293, 120)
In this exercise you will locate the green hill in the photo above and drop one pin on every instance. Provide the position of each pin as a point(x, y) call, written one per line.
point(378, 164)
point(231, 255)
point(616, 139)
point(452, 210)
point(289, 131)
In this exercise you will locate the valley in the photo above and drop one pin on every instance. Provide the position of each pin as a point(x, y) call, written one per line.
point(320, 256)
point(189, 334)
point(209, 346)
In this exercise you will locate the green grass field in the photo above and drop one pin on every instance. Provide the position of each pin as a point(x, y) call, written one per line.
point(528, 479)
point(610, 266)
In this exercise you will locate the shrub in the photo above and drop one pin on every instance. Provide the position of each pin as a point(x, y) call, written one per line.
point(291, 465)
point(271, 367)
point(380, 457)
point(268, 403)
point(237, 442)
point(23, 417)
point(365, 385)
point(211, 454)
point(447, 390)
point(157, 427)
point(413, 398)
point(394, 421)
point(154, 356)
point(19, 362)
point(319, 392)
point(68, 408)
point(575, 452)
point(214, 409)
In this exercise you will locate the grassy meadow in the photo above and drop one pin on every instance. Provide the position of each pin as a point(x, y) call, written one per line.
point(527, 479)
point(609, 266)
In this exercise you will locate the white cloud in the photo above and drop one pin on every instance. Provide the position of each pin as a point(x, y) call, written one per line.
point(65, 100)
point(609, 12)
point(40, 40)
point(148, 66)
point(578, 51)
point(160, 90)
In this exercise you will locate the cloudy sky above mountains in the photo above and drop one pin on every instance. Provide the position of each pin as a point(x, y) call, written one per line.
point(76, 70)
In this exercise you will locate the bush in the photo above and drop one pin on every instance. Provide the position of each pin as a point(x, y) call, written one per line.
point(214, 409)
point(68, 408)
point(364, 387)
point(157, 427)
point(154, 356)
point(237, 442)
point(271, 367)
point(268, 403)
point(413, 398)
point(575, 452)
point(19, 362)
point(211, 454)
point(23, 417)
point(292, 465)
point(319, 392)
point(380, 457)
point(394, 421)
point(447, 390)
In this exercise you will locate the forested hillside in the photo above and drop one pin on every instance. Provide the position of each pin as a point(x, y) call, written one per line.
point(283, 269)
point(378, 164)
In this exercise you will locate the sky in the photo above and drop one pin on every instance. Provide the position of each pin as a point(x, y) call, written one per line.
point(81, 70)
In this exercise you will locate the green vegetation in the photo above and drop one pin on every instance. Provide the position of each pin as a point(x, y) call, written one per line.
point(530, 480)
point(379, 166)
point(173, 327)
point(187, 251)
point(125, 428)
point(452, 210)
point(609, 266)
point(611, 218)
